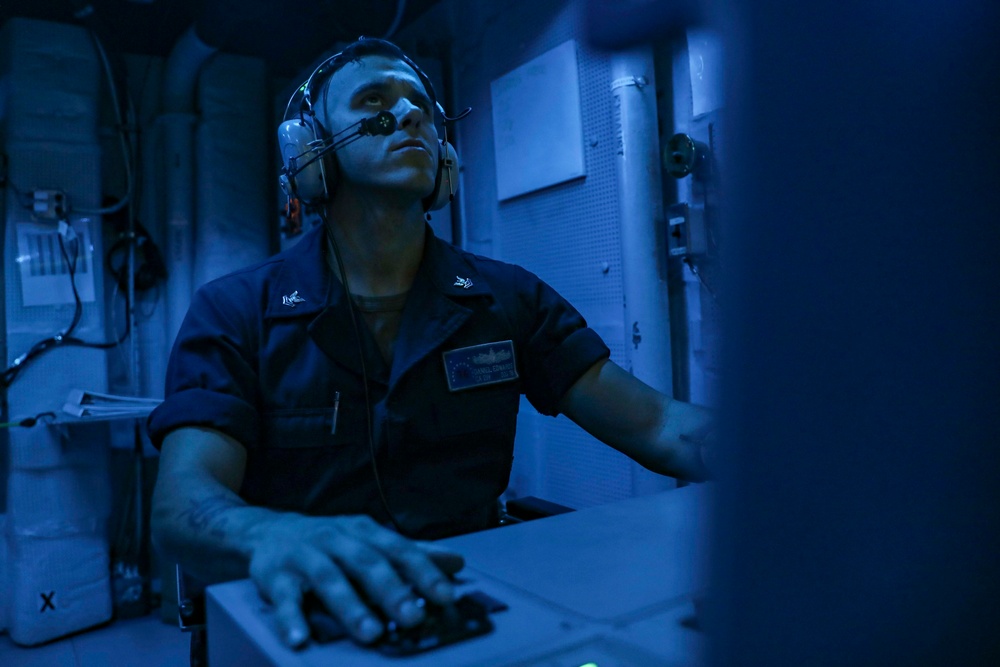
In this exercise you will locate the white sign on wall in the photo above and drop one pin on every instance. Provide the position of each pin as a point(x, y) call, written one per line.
point(537, 123)
point(45, 275)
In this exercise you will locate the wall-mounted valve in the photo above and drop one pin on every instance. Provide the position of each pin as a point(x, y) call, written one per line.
point(683, 155)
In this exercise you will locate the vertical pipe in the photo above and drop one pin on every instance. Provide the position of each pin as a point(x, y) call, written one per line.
point(178, 120)
point(640, 196)
point(178, 176)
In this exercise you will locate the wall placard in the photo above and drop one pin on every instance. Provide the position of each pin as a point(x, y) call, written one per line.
point(537, 124)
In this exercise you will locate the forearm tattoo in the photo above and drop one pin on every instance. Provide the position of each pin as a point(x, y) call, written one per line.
point(205, 515)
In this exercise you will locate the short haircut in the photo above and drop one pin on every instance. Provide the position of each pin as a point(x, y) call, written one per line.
point(354, 52)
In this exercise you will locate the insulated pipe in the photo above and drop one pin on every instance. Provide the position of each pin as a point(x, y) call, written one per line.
point(640, 197)
point(177, 120)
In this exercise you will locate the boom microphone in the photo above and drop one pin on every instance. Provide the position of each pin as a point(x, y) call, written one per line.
point(384, 123)
point(300, 150)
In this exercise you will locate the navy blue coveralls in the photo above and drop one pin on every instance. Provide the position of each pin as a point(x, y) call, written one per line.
point(264, 352)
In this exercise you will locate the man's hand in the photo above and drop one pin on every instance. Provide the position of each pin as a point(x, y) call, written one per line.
point(354, 566)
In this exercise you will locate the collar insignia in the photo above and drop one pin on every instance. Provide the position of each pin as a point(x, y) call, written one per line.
point(292, 299)
point(464, 283)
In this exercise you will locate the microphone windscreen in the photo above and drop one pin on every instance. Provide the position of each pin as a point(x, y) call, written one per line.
point(383, 123)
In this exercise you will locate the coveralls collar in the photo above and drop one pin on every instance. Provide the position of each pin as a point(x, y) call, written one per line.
point(303, 275)
point(433, 309)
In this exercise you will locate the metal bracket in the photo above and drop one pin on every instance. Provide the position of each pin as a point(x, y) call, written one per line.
point(639, 82)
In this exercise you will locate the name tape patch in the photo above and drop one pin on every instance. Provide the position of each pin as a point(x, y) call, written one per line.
point(479, 365)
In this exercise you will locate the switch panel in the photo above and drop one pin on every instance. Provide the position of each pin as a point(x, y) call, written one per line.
point(49, 204)
point(687, 236)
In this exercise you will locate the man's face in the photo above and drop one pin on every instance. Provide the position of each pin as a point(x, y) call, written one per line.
point(403, 163)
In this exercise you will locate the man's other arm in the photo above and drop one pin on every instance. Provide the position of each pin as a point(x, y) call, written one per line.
point(200, 522)
point(658, 432)
point(197, 517)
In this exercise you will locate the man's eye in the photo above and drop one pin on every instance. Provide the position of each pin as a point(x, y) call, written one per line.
point(372, 99)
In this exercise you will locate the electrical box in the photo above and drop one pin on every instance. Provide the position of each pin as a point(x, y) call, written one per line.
point(687, 235)
point(49, 205)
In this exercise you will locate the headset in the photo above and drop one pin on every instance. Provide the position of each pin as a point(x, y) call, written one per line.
point(309, 169)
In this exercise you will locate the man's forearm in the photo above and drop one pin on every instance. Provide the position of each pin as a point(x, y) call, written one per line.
point(675, 445)
point(658, 432)
point(206, 528)
point(683, 436)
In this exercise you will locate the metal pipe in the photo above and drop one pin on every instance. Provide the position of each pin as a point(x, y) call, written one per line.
point(640, 196)
point(178, 120)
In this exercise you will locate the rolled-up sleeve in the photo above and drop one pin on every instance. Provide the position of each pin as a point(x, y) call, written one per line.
point(559, 346)
point(212, 376)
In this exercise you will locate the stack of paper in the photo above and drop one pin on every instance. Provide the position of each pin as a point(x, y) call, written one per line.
point(94, 406)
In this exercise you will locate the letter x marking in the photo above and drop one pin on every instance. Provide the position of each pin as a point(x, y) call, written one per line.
point(47, 604)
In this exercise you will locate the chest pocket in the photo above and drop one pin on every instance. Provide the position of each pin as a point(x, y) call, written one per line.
point(489, 409)
point(470, 428)
point(314, 427)
point(301, 465)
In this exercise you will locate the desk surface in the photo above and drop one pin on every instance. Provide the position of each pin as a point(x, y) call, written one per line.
point(609, 584)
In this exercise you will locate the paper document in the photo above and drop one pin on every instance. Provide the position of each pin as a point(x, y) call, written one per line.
point(94, 406)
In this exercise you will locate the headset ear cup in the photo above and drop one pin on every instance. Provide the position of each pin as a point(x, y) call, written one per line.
point(446, 180)
point(295, 139)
